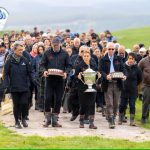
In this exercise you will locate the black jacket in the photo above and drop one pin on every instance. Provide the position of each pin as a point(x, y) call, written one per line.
point(81, 68)
point(104, 68)
point(17, 75)
point(55, 60)
point(134, 77)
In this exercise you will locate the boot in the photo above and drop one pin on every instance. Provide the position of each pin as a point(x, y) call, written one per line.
point(91, 121)
point(124, 119)
point(55, 120)
point(18, 125)
point(120, 118)
point(132, 120)
point(81, 121)
point(24, 123)
point(111, 122)
point(103, 111)
point(143, 120)
point(36, 105)
point(47, 119)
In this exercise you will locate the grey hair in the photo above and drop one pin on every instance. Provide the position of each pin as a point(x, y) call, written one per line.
point(17, 44)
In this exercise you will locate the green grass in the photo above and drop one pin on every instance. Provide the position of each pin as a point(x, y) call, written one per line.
point(9, 139)
point(129, 37)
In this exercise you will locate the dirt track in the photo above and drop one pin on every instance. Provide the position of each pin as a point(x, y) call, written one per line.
point(72, 128)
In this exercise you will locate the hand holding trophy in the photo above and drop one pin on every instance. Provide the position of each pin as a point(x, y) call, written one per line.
point(89, 79)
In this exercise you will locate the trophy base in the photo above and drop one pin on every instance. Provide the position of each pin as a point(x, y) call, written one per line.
point(90, 90)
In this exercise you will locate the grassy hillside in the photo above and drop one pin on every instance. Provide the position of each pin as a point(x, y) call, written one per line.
point(132, 36)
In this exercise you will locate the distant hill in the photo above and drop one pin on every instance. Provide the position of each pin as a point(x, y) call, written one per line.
point(79, 15)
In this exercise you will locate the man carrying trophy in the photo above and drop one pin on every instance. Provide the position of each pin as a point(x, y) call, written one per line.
point(55, 64)
point(86, 74)
point(113, 72)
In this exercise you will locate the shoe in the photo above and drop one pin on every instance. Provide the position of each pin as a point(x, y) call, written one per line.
point(73, 118)
point(24, 123)
point(92, 126)
point(18, 125)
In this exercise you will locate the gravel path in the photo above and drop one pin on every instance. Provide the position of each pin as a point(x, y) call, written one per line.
point(72, 128)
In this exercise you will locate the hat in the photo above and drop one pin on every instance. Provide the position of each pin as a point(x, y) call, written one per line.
point(56, 40)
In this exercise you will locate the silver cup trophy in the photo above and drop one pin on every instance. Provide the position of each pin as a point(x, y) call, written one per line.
point(89, 79)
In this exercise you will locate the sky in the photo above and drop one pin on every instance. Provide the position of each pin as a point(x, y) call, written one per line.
point(79, 15)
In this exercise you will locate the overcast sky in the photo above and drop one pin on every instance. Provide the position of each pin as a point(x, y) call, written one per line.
point(25, 13)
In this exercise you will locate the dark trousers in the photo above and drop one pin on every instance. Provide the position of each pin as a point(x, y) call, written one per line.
point(73, 101)
point(146, 101)
point(87, 103)
point(100, 102)
point(20, 104)
point(123, 105)
point(53, 95)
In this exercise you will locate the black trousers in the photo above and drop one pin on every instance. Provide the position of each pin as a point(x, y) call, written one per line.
point(124, 103)
point(73, 101)
point(20, 104)
point(100, 101)
point(87, 103)
point(53, 95)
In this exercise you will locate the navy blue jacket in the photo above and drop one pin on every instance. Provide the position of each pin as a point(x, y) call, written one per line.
point(105, 70)
point(134, 77)
point(36, 64)
point(17, 75)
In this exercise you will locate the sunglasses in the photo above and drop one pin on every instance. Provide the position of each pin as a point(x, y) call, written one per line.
point(111, 49)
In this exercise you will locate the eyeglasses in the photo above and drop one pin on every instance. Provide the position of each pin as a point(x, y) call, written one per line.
point(111, 49)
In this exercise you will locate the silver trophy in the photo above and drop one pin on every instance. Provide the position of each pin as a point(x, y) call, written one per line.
point(89, 79)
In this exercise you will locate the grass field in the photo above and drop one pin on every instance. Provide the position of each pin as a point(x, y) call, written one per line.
point(9, 139)
point(130, 37)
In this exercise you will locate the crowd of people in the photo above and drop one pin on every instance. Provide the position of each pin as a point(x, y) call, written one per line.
point(28, 59)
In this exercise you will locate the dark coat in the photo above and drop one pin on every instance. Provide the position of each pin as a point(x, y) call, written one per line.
point(35, 65)
point(104, 68)
point(17, 75)
point(75, 50)
point(134, 77)
point(55, 60)
point(81, 68)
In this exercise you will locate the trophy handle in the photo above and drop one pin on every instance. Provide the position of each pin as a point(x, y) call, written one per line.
point(81, 78)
